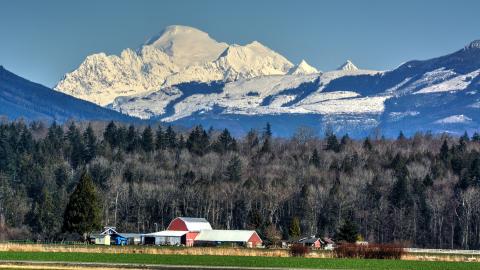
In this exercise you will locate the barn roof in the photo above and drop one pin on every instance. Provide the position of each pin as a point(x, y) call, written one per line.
point(167, 233)
point(196, 224)
point(224, 235)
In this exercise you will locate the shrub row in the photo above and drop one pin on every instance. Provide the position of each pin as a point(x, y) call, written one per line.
point(370, 251)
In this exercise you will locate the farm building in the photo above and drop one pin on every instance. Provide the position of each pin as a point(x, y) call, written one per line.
point(171, 238)
point(234, 237)
point(328, 243)
point(312, 241)
point(190, 225)
point(100, 239)
point(189, 231)
point(111, 236)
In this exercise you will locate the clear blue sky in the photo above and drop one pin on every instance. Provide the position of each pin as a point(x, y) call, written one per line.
point(42, 40)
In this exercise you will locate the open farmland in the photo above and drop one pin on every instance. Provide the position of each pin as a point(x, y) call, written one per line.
point(150, 260)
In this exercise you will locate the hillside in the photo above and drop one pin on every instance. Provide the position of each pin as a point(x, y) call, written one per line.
point(20, 98)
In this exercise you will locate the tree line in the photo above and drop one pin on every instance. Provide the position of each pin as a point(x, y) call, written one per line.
point(422, 191)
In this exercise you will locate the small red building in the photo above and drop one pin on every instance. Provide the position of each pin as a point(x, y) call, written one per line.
point(313, 242)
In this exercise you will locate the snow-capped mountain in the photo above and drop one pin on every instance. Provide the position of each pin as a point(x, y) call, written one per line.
point(347, 66)
point(241, 87)
point(302, 69)
point(176, 55)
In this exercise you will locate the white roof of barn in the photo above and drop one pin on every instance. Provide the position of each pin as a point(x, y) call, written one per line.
point(196, 224)
point(224, 236)
point(167, 233)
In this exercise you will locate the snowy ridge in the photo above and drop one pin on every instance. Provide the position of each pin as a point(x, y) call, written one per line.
point(454, 119)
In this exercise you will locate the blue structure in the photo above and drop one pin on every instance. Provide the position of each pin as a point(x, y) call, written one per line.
point(120, 240)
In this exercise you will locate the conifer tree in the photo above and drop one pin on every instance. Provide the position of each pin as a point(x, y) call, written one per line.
point(332, 142)
point(348, 232)
point(267, 135)
point(444, 152)
point(234, 169)
point(160, 142)
point(225, 142)
point(476, 137)
point(90, 144)
point(315, 159)
point(44, 220)
point(367, 145)
point(147, 140)
point(170, 138)
point(77, 150)
point(344, 141)
point(82, 214)
point(110, 134)
point(132, 139)
point(294, 230)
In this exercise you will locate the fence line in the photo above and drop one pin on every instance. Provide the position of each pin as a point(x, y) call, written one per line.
point(443, 251)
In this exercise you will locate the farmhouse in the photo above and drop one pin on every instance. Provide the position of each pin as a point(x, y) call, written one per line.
point(312, 241)
point(111, 236)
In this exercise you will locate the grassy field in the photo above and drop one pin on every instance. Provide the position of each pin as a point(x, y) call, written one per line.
point(236, 261)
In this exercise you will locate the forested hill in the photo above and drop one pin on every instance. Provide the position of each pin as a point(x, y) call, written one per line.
point(423, 190)
point(21, 98)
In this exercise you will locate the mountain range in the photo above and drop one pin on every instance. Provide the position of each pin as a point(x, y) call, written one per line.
point(183, 76)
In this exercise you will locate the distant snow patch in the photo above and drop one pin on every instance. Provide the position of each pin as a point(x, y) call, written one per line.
point(454, 119)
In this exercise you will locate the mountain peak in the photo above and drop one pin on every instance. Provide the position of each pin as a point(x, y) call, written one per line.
point(302, 69)
point(347, 66)
point(187, 45)
point(473, 45)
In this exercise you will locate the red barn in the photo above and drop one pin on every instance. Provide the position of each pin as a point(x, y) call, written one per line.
point(192, 225)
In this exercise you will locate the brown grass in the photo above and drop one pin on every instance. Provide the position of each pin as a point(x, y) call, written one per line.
point(145, 250)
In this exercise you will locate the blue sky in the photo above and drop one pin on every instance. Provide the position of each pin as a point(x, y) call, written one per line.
point(42, 40)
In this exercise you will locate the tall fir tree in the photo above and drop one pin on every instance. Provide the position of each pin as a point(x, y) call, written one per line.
point(160, 141)
point(77, 150)
point(294, 230)
point(315, 159)
point(332, 142)
point(132, 139)
point(147, 140)
point(170, 138)
point(82, 214)
point(348, 232)
point(234, 169)
point(90, 140)
point(110, 134)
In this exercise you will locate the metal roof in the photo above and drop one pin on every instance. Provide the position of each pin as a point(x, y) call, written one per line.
point(224, 235)
point(167, 233)
point(309, 240)
point(196, 224)
point(130, 235)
